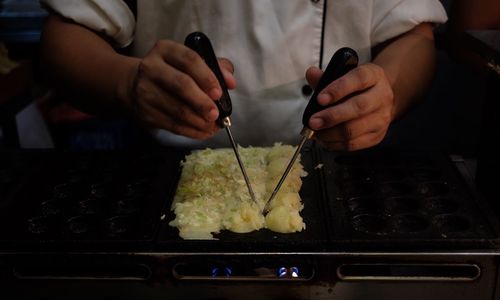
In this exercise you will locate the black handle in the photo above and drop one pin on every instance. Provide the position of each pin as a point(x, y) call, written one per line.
point(200, 43)
point(344, 60)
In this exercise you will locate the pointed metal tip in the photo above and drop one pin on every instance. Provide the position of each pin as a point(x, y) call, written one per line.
point(240, 161)
point(306, 134)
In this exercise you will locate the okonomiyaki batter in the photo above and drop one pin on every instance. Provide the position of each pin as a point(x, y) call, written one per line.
point(212, 195)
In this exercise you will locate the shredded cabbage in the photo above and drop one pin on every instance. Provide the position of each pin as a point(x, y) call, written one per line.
point(212, 195)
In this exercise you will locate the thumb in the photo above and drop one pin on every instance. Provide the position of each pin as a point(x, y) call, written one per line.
point(227, 69)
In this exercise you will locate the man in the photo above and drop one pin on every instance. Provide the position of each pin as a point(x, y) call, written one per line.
point(268, 45)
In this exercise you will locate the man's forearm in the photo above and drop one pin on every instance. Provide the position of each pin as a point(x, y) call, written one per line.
point(409, 63)
point(85, 67)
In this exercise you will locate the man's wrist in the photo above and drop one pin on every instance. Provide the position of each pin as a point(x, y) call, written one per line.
point(124, 85)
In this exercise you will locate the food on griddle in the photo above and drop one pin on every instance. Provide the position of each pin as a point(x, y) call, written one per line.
point(212, 196)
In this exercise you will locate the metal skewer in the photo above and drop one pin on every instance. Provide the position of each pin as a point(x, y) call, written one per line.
point(200, 43)
point(342, 61)
point(227, 124)
point(306, 134)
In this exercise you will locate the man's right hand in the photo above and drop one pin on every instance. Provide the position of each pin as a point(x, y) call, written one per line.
point(170, 88)
point(174, 89)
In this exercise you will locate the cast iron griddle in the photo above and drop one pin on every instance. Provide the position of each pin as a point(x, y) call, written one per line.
point(378, 199)
point(403, 198)
point(87, 198)
point(314, 238)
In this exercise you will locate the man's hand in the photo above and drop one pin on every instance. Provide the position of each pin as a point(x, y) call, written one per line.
point(371, 96)
point(170, 88)
point(364, 108)
point(175, 90)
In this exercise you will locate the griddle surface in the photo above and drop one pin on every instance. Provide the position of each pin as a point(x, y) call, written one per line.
point(374, 200)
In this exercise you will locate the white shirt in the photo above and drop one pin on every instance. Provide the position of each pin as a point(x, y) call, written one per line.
point(270, 42)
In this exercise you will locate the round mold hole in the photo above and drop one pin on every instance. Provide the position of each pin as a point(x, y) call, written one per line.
point(426, 174)
point(409, 223)
point(449, 223)
point(41, 224)
point(74, 176)
point(358, 189)
point(401, 204)
point(104, 178)
point(61, 191)
point(433, 188)
point(126, 206)
point(395, 188)
point(66, 190)
point(440, 205)
point(369, 223)
point(367, 205)
point(138, 186)
point(82, 224)
point(117, 225)
point(88, 206)
point(52, 207)
point(390, 174)
point(101, 190)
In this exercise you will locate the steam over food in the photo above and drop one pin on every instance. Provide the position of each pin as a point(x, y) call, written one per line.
point(212, 195)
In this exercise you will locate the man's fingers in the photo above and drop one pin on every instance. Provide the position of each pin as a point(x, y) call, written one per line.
point(352, 130)
point(154, 118)
point(183, 86)
point(356, 107)
point(167, 104)
point(313, 74)
point(189, 62)
point(227, 69)
point(226, 64)
point(356, 80)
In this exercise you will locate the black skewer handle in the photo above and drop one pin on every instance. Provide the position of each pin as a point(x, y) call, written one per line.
point(200, 43)
point(344, 60)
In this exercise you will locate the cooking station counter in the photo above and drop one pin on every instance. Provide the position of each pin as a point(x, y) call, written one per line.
point(380, 223)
